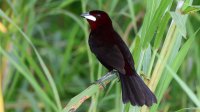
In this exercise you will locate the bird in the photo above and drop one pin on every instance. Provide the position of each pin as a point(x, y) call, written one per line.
point(114, 54)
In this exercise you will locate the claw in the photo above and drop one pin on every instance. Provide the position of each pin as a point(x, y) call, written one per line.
point(102, 81)
point(117, 74)
point(102, 84)
point(99, 82)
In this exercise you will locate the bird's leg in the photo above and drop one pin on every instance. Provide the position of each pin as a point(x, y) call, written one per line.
point(117, 74)
point(100, 83)
point(106, 78)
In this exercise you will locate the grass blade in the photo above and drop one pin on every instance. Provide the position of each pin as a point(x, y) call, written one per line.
point(46, 71)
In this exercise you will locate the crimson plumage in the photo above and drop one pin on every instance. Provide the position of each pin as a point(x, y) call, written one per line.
point(113, 53)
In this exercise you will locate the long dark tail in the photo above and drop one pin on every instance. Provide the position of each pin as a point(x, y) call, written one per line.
point(136, 91)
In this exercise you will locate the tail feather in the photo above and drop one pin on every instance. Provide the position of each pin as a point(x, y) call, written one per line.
point(136, 91)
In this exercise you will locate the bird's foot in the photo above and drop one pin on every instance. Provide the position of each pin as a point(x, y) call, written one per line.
point(117, 74)
point(100, 82)
point(103, 80)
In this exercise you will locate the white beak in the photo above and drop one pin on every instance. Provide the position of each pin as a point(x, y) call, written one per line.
point(88, 16)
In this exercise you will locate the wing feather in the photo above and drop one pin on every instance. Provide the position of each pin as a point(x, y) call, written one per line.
point(110, 56)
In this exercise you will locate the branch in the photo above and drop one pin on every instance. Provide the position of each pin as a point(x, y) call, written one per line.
point(76, 101)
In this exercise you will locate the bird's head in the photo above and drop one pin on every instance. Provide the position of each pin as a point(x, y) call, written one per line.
point(97, 19)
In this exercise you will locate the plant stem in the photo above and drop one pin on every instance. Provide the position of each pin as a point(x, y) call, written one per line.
point(75, 102)
point(165, 52)
point(152, 61)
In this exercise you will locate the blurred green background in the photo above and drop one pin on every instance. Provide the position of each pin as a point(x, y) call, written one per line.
point(52, 31)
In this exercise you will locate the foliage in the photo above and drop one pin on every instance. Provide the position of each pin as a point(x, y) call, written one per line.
point(46, 61)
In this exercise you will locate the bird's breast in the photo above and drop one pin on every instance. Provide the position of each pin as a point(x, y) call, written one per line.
point(103, 38)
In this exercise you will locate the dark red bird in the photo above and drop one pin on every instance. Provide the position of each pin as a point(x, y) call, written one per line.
point(113, 53)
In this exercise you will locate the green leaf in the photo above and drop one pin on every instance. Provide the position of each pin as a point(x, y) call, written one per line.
point(23, 70)
point(136, 47)
point(44, 67)
point(161, 30)
point(175, 66)
point(184, 86)
point(146, 60)
point(190, 8)
point(76, 101)
point(183, 52)
point(180, 22)
point(147, 36)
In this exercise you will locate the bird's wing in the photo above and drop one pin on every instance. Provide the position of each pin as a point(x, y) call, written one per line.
point(125, 51)
point(110, 56)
